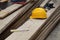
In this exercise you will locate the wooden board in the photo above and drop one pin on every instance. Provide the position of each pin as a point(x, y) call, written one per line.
point(54, 34)
point(10, 10)
point(19, 13)
point(32, 25)
point(44, 3)
point(20, 21)
point(54, 19)
point(3, 0)
point(48, 28)
point(8, 20)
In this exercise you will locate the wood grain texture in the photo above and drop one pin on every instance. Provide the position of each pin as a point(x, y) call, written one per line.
point(8, 20)
point(9, 10)
point(33, 25)
point(55, 19)
point(23, 14)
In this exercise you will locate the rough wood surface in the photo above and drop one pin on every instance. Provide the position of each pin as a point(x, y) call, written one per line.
point(26, 14)
point(3, 0)
point(33, 25)
point(55, 34)
point(49, 26)
point(8, 20)
point(9, 10)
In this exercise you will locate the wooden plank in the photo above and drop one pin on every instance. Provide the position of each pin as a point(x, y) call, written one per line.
point(48, 28)
point(11, 9)
point(54, 34)
point(33, 25)
point(47, 24)
point(8, 20)
point(20, 21)
point(40, 29)
point(28, 6)
point(3, 0)
point(44, 3)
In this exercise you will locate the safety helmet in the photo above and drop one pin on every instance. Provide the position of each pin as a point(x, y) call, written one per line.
point(39, 13)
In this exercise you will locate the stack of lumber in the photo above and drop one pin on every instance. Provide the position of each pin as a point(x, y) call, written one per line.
point(9, 10)
point(38, 29)
point(4, 23)
point(50, 25)
point(55, 33)
point(22, 15)
point(9, 19)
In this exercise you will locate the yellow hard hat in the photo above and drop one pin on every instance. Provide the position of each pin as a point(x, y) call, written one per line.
point(38, 13)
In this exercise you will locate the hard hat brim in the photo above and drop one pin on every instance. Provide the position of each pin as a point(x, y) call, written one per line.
point(33, 17)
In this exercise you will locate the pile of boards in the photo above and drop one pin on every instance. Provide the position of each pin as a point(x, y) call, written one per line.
point(15, 11)
point(38, 29)
point(12, 14)
point(49, 25)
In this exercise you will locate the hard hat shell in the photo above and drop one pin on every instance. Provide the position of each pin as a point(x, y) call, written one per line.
point(38, 13)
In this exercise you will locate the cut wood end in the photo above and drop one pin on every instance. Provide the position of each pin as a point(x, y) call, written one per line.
point(3, 14)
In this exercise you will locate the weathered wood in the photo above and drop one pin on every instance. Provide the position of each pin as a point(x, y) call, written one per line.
point(50, 20)
point(48, 13)
point(25, 14)
point(48, 28)
point(3, 1)
point(11, 9)
point(44, 3)
point(33, 25)
point(54, 17)
point(8, 20)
